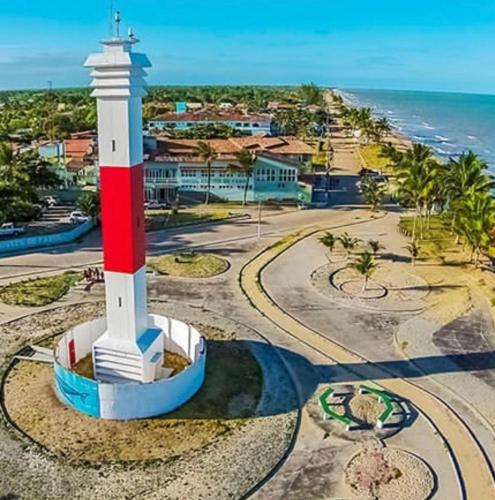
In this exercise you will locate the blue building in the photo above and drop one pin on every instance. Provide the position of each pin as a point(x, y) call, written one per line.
point(246, 123)
point(174, 167)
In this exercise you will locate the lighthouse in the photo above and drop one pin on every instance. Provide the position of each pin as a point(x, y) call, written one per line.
point(129, 349)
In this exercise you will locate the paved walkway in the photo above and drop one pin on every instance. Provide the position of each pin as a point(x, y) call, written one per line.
point(476, 474)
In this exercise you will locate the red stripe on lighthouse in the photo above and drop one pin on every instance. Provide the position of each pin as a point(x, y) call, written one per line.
point(122, 211)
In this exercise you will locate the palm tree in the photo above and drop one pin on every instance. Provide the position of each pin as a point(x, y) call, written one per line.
point(463, 178)
point(476, 222)
point(207, 154)
point(416, 174)
point(329, 240)
point(381, 128)
point(245, 166)
point(348, 243)
point(365, 265)
point(413, 249)
point(373, 192)
point(375, 246)
point(89, 203)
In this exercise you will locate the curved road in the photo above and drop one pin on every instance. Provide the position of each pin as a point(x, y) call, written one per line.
point(473, 467)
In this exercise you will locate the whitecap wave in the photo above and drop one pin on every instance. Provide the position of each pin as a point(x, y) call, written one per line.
point(427, 126)
point(441, 138)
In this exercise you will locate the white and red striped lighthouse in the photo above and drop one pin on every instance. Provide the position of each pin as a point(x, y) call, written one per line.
point(129, 349)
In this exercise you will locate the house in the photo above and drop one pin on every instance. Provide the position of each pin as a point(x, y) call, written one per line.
point(247, 123)
point(173, 167)
point(81, 157)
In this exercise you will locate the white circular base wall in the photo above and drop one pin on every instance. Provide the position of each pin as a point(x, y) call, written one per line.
point(125, 401)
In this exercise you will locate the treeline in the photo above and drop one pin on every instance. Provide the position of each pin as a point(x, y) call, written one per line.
point(55, 114)
point(459, 191)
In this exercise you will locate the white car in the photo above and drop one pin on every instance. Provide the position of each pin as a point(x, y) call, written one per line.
point(49, 201)
point(10, 229)
point(78, 217)
point(155, 205)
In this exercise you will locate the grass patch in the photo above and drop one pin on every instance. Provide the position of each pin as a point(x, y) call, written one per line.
point(40, 291)
point(229, 395)
point(437, 238)
point(161, 219)
point(189, 265)
point(370, 154)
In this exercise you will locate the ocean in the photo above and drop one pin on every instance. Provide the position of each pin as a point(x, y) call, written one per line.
point(448, 122)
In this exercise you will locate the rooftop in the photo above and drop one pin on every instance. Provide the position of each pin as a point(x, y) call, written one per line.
point(211, 116)
point(185, 149)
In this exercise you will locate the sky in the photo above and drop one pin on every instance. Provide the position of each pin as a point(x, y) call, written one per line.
point(443, 45)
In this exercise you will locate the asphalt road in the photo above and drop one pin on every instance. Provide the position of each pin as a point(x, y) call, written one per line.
point(88, 252)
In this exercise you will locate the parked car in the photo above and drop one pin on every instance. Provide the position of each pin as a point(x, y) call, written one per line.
point(49, 201)
point(78, 217)
point(10, 229)
point(155, 205)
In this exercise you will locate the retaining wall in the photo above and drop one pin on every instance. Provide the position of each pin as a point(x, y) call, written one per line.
point(45, 240)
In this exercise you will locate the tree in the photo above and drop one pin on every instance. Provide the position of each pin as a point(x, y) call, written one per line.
point(381, 128)
point(417, 171)
point(89, 203)
point(413, 249)
point(245, 165)
point(22, 176)
point(373, 192)
point(365, 265)
point(207, 154)
point(375, 246)
point(348, 243)
point(311, 94)
point(477, 220)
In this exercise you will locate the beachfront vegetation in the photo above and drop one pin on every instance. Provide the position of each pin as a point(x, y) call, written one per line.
point(40, 291)
point(459, 192)
point(361, 123)
point(372, 158)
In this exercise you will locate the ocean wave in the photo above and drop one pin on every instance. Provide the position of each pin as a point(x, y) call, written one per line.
point(427, 126)
point(441, 138)
point(472, 137)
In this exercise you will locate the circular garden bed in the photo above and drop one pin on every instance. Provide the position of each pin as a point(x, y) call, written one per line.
point(388, 474)
point(189, 265)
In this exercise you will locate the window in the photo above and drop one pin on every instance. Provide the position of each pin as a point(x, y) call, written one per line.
point(256, 125)
point(113, 146)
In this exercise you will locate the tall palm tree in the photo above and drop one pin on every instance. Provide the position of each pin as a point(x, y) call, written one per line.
point(348, 243)
point(245, 161)
point(462, 179)
point(381, 128)
point(365, 265)
point(416, 171)
point(207, 154)
point(373, 192)
point(476, 222)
